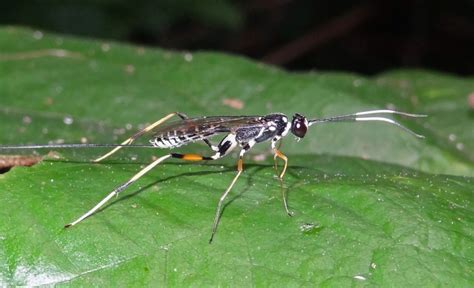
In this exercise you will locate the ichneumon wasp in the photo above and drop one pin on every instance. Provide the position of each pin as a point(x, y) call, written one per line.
point(240, 131)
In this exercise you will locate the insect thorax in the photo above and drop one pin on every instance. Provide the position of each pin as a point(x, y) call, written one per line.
point(277, 125)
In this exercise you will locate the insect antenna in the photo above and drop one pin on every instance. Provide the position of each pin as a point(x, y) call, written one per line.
point(361, 116)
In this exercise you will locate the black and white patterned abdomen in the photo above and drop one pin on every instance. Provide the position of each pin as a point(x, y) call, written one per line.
point(174, 141)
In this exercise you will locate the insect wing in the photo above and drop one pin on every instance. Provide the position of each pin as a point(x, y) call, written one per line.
point(208, 126)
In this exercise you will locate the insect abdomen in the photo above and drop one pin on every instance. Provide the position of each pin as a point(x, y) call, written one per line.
point(174, 141)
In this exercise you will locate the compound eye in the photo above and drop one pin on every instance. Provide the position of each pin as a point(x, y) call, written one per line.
point(299, 128)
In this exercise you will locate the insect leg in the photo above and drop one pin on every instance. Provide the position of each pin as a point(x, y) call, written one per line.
point(189, 157)
point(279, 154)
point(224, 147)
point(140, 133)
point(275, 162)
point(214, 148)
point(240, 168)
point(119, 189)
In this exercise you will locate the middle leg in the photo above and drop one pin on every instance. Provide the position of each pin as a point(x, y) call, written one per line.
point(240, 168)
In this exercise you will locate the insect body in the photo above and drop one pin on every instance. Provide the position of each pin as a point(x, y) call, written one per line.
point(245, 128)
point(239, 131)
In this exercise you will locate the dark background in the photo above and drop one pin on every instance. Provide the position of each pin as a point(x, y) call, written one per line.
point(360, 36)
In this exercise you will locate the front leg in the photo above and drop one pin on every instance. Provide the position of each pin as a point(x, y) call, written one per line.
point(279, 154)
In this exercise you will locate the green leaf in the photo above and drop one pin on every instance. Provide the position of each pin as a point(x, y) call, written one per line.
point(370, 207)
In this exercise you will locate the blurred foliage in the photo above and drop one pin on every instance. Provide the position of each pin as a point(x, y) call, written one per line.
point(120, 19)
point(362, 36)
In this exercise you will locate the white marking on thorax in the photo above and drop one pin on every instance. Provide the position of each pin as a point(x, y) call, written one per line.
point(260, 133)
point(287, 128)
point(272, 126)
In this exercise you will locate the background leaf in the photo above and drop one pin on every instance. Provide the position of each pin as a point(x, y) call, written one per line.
point(377, 221)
